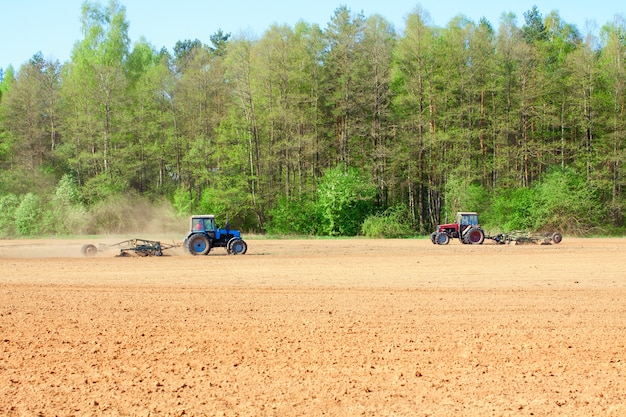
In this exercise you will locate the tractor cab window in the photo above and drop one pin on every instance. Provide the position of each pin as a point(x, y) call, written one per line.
point(197, 224)
point(205, 225)
point(469, 220)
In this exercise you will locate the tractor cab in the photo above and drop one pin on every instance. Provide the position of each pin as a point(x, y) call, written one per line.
point(203, 223)
point(464, 219)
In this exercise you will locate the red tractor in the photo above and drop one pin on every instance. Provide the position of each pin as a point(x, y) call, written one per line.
point(465, 228)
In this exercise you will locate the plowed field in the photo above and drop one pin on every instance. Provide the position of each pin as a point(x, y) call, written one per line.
point(352, 327)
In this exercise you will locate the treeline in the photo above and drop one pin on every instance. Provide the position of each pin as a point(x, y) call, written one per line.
point(350, 129)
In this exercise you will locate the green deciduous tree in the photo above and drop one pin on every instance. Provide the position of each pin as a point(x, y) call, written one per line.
point(342, 97)
point(511, 209)
point(94, 92)
point(345, 197)
point(30, 113)
point(610, 174)
point(152, 155)
point(375, 128)
point(417, 175)
point(29, 215)
point(244, 123)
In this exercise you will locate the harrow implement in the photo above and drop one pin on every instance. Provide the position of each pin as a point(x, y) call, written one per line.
point(518, 237)
point(138, 247)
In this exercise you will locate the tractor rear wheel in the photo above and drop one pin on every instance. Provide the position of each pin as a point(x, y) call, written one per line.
point(89, 250)
point(442, 238)
point(475, 236)
point(198, 244)
point(237, 247)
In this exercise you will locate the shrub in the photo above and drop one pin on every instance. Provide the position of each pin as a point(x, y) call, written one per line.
point(391, 223)
point(29, 215)
point(566, 202)
point(183, 202)
point(66, 213)
point(345, 198)
point(512, 210)
point(8, 206)
point(561, 201)
point(290, 217)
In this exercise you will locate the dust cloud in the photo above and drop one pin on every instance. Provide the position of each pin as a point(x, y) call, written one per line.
point(109, 228)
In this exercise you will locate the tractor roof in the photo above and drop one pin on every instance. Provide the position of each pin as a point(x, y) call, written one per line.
point(203, 216)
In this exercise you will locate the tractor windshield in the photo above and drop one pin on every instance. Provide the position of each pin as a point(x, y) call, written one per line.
point(469, 219)
point(472, 219)
point(202, 224)
point(197, 224)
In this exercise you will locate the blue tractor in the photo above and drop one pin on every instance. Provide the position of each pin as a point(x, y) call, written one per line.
point(204, 235)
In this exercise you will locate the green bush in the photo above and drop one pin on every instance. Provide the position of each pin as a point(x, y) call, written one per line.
point(293, 217)
point(67, 191)
point(345, 198)
point(561, 201)
point(67, 214)
point(29, 215)
point(392, 223)
point(183, 202)
point(511, 210)
point(8, 206)
point(565, 202)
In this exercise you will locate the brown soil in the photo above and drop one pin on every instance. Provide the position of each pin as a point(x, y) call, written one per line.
point(315, 327)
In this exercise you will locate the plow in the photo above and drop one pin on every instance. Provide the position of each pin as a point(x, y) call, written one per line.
point(518, 237)
point(130, 247)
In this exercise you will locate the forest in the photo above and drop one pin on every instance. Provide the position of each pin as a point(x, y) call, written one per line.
point(355, 128)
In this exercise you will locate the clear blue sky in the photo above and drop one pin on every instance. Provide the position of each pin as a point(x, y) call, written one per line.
point(53, 26)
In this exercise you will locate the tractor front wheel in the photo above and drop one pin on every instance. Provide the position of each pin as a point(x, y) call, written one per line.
point(237, 247)
point(442, 238)
point(198, 244)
